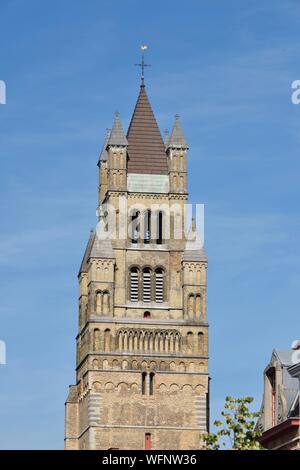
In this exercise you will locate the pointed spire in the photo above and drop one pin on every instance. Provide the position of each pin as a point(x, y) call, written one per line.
point(167, 138)
point(103, 154)
point(117, 136)
point(84, 264)
point(146, 150)
point(177, 139)
point(102, 246)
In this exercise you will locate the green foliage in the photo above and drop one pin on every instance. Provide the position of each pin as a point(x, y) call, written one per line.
point(237, 429)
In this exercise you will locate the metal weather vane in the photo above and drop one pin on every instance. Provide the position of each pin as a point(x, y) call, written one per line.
point(144, 47)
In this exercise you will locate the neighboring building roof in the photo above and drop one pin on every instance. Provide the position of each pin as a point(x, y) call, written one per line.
point(290, 384)
point(104, 154)
point(276, 418)
point(84, 263)
point(284, 356)
point(146, 150)
point(117, 136)
point(177, 139)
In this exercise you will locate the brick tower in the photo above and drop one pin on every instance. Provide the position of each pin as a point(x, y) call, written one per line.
point(142, 343)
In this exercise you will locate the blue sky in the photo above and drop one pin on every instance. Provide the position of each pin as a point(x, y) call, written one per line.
point(227, 68)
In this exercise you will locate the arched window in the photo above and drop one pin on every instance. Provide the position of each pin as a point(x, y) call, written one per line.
point(191, 305)
point(147, 227)
point(134, 285)
point(107, 340)
point(147, 314)
point(144, 375)
point(146, 285)
point(200, 342)
point(151, 383)
point(98, 302)
point(190, 341)
point(135, 226)
point(96, 339)
point(159, 285)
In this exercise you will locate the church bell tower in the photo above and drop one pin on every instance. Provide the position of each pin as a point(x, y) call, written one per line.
point(142, 343)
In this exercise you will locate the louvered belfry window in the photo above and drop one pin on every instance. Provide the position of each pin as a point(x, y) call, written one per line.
point(134, 285)
point(159, 286)
point(146, 285)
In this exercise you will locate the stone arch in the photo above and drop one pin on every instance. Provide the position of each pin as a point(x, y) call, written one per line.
point(122, 387)
point(182, 163)
point(174, 389)
point(105, 364)
point(190, 340)
point(200, 341)
point(98, 300)
point(96, 386)
point(106, 303)
point(175, 182)
point(125, 340)
point(199, 389)
point(136, 341)
point(187, 388)
point(95, 364)
point(130, 340)
point(109, 386)
point(125, 365)
point(145, 342)
point(116, 364)
point(134, 388)
point(162, 388)
point(120, 340)
point(140, 341)
point(96, 339)
point(177, 343)
point(181, 182)
point(107, 340)
point(191, 305)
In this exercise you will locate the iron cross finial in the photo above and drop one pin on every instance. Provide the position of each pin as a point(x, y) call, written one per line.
point(142, 64)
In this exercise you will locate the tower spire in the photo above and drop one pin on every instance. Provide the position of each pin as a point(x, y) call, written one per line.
point(177, 138)
point(117, 135)
point(142, 64)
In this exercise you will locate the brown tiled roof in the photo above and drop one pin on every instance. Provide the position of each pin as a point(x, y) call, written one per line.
point(146, 150)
